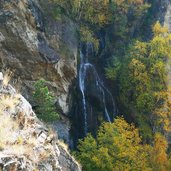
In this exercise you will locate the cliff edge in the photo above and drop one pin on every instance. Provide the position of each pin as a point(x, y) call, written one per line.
point(25, 142)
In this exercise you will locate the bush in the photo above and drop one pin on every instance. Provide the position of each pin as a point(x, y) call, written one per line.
point(45, 108)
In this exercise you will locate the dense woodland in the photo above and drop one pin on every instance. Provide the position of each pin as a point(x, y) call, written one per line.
point(138, 71)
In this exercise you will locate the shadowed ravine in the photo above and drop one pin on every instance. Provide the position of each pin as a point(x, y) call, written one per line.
point(94, 102)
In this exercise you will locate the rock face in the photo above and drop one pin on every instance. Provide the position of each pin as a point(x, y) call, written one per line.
point(167, 23)
point(25, 143)
point(36, 46)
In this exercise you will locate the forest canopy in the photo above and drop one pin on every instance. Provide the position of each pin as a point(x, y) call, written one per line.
point(118, 147)
point(143, 88)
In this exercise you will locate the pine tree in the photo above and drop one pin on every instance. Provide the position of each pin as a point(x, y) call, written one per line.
point(45, 108)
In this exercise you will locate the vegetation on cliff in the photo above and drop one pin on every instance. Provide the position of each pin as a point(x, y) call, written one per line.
point(144, 94)
point(140, 139)
point(142, 82)
point(94, 15)
point(139, 69)
point(45, 108)
point(25, 142)
point(118, 147)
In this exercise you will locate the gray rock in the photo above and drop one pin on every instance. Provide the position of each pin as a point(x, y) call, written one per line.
point(68, 163)
point(36, 46)
point(30, 146)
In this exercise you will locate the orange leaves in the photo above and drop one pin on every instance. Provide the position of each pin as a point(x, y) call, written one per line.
point(159, 155)
point(118, 147)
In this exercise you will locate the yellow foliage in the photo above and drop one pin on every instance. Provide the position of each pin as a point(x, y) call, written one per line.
point(87, 36)
point(159, 153)
point(158, 29)
point(143, 81)
point(118, 147)
point(7, 77)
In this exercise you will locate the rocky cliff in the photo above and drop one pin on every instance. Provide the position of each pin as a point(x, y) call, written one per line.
point(26, 143)
point(35, 45)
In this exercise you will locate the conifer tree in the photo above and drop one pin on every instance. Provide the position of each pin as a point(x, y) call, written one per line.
point(45, 108)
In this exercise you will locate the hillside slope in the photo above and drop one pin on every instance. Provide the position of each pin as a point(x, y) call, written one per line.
point(25, 142)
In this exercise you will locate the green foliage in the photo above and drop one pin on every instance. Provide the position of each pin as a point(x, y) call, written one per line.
point(142, 81)
point(94, 15)
point(126, 14)
point(113, 70)
point(86, 35)
point(92, 11)
point(101, 12)
point(45, 109)
point(88, 145)
point(117, 147)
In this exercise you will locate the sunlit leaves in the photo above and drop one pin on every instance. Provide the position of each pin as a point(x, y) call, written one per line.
point(143, 85)
point(159, 153)
point(98, 14)
point(159, 30)
point(117, 147)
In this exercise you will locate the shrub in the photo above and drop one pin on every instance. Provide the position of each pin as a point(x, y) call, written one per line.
point(45, 108)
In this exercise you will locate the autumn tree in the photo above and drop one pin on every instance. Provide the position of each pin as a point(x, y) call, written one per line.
point(117, 147)
point(159, 154)
point(93, 15)
point(143, 84)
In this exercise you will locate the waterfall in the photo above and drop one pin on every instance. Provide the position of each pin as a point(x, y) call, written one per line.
point(82, 74)
point(86, 67)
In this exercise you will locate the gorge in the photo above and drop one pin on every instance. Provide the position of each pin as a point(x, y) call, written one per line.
point(101, 60)
point(97, 100)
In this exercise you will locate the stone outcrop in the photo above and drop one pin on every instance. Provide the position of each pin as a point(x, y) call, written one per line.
point(167, 23)
point(28, 145)
point(35, 46)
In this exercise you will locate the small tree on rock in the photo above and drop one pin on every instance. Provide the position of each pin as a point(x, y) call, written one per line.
point(45, 108)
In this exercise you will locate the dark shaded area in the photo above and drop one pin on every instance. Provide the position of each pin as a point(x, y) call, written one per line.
point(155, 13)
point(95, 94)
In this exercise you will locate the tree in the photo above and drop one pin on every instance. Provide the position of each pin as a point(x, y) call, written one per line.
point(45, 108)
point(142, 82)
point(87, 150)
point(117, 147)
point(101, 12)
point(159, 153)
point(95, 15)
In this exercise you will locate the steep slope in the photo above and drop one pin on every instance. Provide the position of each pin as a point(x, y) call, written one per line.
point(37, 46)
point(25, 142)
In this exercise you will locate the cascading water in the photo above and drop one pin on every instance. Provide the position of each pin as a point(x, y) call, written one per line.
point(100, 87)
point(92, 102)
point(82, 74)
point(86, 67)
